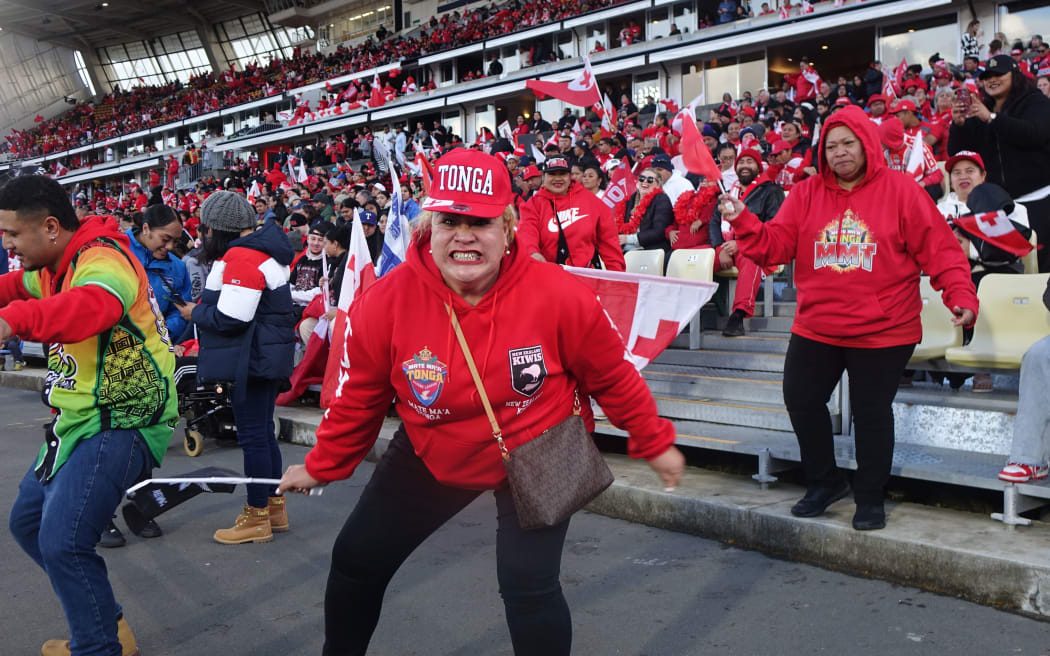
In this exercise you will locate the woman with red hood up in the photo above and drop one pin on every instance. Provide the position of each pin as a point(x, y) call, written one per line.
point(860, 233)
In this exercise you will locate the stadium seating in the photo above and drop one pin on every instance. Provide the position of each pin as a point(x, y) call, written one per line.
point(1012, 318)
point(692, 264)
point(647, 261)
point(938, 333)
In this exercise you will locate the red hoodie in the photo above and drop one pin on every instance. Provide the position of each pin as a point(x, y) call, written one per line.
point(531, 348)
point(858, 253)
point(586, 221)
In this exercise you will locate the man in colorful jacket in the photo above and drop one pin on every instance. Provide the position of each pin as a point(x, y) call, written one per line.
point(109, 383)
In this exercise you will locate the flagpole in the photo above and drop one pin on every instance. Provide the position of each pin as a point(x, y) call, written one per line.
point(208, 480)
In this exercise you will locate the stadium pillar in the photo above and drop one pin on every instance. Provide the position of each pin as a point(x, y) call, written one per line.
point(94, 71)
point(211, 48)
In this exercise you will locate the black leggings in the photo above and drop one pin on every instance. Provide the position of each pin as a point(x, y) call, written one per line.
point(811, 371)
point(399, 508)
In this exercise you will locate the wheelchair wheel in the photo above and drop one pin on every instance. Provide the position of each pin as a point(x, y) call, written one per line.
point(193, 443)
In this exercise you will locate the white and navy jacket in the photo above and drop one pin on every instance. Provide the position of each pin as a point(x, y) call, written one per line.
point(245, 323)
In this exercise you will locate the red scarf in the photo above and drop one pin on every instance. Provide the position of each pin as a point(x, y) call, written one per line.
point(629, 227)
point(693, 205)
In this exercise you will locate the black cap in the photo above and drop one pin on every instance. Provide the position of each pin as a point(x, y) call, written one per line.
point(556, 164)
point(999, 65)
point(662, 162)
point(989, 197)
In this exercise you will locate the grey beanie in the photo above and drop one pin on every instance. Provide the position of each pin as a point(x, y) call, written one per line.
point(227, 211)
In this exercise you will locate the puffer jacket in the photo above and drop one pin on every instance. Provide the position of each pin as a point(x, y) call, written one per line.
point(245, 321)
point(169, 281)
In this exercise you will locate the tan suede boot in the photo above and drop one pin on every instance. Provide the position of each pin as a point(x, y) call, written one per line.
point(278, 515)
point(124, 634)
point(252, 525)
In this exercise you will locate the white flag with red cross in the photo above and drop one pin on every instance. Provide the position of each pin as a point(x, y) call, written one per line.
point(359, 276)
point(647, 311)
point(996, 229)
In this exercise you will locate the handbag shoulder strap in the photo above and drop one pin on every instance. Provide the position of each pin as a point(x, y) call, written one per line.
point(496, 431)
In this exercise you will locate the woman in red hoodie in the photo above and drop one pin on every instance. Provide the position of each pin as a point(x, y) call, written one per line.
point(533, 350)
point(860, 233)
point(565, 223)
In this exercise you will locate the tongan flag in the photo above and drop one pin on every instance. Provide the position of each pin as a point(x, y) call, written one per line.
point(375, 99)
point(303, 175)
point(622, 184)
point(359, 275)
point(647, 311)
point(398, 234)
point(254, 192)
point(996, 229)
point(581, 91)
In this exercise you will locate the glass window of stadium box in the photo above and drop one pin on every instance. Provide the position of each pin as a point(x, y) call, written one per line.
point(732, 75)
point(657, 24)
point(1020, 21)
point(549, 109)
point(684, 17)
point(692, 82)
point(565, 44)
point(646, 84)
point(453, 122)
point(484, 117)
point(596, 35)
point(617, 25)
point(509, 58)
point(916, 40)
point(448, 73)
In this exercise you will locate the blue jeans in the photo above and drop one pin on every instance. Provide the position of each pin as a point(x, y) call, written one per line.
point(59, 523)
point(253, 413)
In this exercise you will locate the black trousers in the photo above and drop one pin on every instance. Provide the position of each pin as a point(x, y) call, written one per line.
point(399, 508)
point(811, 371)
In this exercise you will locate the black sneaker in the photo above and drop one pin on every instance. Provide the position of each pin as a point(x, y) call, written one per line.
point(735, 325)
point(869, 517)
point(818, 499)
point(112, 537)
point(150, 530)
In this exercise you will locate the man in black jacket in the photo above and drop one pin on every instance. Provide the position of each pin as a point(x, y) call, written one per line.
point(763, 198)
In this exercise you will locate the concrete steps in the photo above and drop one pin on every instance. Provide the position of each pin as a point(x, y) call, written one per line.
point(772, 362)
point(706, 383)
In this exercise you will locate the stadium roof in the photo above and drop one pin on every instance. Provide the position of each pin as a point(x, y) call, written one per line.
point(93, 23)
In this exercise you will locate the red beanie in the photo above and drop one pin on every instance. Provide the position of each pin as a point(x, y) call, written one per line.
point(753, 154)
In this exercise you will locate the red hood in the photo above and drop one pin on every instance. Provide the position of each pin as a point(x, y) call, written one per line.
point(857, 121)
point(91, 228)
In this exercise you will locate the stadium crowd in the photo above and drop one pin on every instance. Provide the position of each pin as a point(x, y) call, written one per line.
point(961, 131)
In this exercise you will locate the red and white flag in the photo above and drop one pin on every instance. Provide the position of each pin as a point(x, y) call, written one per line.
point(254, 192)
point(376, 97)
point(647, 311)
point(581, 91)
point(622, 184)
point(996, 229)
point(504, 130)
point(359, 276)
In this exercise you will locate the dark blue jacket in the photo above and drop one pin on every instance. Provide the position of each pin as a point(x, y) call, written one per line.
point(244, 321)
point(168, 279)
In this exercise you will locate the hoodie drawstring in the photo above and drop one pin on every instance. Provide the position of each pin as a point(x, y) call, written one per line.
point(474, 397)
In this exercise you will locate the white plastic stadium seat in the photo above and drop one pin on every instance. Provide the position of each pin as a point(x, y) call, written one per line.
point(938, 333)
point(648, 261)
point(1012, 318)
point(693, 264)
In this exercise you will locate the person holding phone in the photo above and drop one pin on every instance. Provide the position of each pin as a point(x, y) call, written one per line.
point(1008, 125)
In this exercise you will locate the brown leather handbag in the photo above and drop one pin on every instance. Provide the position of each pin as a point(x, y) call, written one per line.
point(552, 475)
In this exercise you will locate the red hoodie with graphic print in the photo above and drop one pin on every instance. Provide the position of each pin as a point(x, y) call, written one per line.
point(531, 347)
point(586, 221)
point(858, 253)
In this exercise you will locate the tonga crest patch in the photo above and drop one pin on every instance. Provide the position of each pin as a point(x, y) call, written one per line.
point(426, 376)
point(527, 369)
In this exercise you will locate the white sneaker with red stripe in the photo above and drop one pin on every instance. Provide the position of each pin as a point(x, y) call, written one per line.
point(1018, 473)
